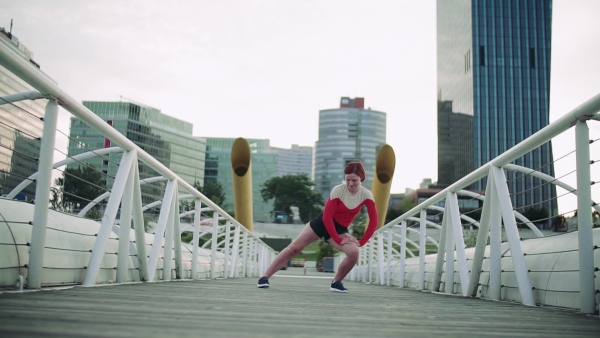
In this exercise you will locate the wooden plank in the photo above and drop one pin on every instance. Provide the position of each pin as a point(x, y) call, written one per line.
point(294, 306)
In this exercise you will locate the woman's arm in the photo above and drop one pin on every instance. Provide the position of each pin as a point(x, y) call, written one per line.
point(328, 220)
point(373, 221)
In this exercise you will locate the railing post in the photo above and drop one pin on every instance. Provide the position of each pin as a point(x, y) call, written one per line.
point(195, 243)
point(42, 197)
point(422, 247)
point(584, 219)
point(482, 236)
point(388, 270)
point(380, 259)
point(245, 252)
point(213, 245)
point(370, 262)
point(236, 252)
point(226, 249)
point(512, 236)
point(138, 222)
point(495, 283)
point(168, 244)
point(459, 241)
point(402, 253)
point(447, 223)
point(160, 229)
point(125, 231)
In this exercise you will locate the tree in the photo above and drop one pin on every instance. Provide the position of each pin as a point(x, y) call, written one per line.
point(293, 190)
point(77, 188)
point(213, 190)
point(536, 215)
point(393, 213)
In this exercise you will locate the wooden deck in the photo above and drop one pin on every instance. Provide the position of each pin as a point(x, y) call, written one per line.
point(294, 306)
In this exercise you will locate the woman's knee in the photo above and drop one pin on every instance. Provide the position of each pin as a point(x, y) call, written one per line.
point(352, 252)
point(294, 249)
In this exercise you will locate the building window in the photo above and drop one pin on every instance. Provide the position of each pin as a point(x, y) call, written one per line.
point(481, 56)
point(532, 58)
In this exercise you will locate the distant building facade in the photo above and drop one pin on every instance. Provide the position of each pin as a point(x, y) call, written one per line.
point(294, 161)
point(169, 140)
point(348, 133)
point(494, 66)
point(455, 144)
point(21, 126)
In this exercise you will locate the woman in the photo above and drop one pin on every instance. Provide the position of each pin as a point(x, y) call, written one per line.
point(344, 203)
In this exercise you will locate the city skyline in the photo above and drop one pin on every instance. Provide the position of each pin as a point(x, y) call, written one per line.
point(211, 63)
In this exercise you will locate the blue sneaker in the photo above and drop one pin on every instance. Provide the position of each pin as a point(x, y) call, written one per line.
point(337, 286)
point(263, 282)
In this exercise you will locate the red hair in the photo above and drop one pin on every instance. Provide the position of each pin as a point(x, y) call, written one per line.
point(356, 168)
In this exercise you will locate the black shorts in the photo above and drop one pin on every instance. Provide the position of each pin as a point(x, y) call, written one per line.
point(318, 226)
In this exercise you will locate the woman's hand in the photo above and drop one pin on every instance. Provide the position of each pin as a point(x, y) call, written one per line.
point(348, 239)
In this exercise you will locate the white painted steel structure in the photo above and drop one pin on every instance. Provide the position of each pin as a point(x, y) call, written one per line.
point(242, 248)
point(499, 271)
point(498, 216)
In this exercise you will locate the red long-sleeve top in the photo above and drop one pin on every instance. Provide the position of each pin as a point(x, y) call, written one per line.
point(344, 207)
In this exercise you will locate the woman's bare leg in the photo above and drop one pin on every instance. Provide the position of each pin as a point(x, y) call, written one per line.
point(352, 251)
point(304, 238)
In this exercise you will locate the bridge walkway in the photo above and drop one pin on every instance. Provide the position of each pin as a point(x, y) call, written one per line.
point(294, 306)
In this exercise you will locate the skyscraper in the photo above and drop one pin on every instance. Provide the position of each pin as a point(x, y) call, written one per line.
point(348, 133)
point(21, 125)
point(494, 67)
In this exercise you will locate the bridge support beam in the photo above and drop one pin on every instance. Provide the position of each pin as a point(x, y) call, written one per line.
point(109, 219)
point(40, 213)
point(584, 219)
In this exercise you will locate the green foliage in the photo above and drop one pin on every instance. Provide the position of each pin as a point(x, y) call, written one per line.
point(358, 226)
point(77, 188)
point(394, 213)
point(213, 190)
point(325, 250)
point(293, 190)
point(536, 215)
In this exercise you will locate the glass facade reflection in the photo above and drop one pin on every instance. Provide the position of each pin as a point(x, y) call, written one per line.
point(21, 127)
point(167, 139)
point(494, 65)
point(349, 133)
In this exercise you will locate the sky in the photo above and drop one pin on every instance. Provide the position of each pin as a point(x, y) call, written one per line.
point(264, 69)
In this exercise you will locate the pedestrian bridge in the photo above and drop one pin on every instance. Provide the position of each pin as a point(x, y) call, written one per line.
point(454, 269)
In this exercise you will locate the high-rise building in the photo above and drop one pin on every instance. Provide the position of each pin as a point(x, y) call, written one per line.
point(494, 68)
point(348, 133)
point(21, 126)
point(167, 139)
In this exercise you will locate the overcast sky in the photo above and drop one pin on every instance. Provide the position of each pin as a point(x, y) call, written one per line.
point(264, 69)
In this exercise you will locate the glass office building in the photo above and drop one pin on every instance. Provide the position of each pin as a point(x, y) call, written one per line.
point(493, 64)
point(348, 133)
point(167, 139)
point(21, 127)
point(294, 161)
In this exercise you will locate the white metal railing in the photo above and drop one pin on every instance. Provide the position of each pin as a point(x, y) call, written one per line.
point(497, 216)
point(240, 250)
